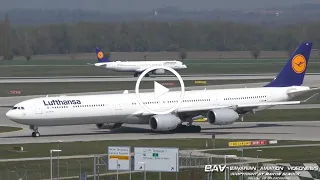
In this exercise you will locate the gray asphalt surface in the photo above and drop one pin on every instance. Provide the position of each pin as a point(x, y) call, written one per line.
point(299, 130)
point(310, 77)
point(113, 79)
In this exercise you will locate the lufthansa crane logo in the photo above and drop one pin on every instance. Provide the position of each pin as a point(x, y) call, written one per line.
point(100, 55)
point(299, 63)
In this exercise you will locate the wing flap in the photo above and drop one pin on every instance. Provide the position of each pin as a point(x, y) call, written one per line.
point(140, 70)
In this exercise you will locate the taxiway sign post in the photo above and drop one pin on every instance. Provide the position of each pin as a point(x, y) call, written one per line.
point(213, 141)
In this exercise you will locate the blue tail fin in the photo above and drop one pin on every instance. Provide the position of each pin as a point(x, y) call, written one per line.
point(100, 56)
point(293, 72)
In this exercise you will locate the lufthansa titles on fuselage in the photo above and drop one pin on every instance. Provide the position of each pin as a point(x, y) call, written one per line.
point(167, 63)
point(61, 102)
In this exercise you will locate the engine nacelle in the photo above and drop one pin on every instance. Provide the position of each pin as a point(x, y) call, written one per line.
point(165, 122)
point(222, 116)
point(108, 125)
point(159, 71)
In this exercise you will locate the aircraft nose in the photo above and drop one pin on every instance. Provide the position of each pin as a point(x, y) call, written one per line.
point(184, 66)
point(12, 115)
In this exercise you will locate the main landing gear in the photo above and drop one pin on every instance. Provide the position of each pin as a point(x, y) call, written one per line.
point(35, 132)
point(136, 75)
point(187, 129)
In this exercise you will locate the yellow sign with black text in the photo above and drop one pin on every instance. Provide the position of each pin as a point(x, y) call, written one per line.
point(200, 82)
point(239, 143)
point(119, 157)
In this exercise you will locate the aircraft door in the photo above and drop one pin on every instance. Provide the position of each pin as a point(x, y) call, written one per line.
point(38, 108)
point(117, 106)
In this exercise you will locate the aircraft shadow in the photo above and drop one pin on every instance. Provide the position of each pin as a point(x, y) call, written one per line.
point(136, 130)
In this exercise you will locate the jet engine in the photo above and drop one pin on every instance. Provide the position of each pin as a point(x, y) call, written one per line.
point(222, 116)
point(108, 125)
point(159, 71)
point(166, 122)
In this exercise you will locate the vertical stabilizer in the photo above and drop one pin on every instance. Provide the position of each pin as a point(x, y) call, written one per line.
point(294, 70)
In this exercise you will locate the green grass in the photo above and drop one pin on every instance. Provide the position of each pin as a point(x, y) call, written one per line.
point(4, 129)
point(276, 115)
point(32, 171)
point(196, 68)
point(288, 154)
point(100, 147)
point(77, 87)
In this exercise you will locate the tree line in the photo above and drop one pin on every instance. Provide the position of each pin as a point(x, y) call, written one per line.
point(146, 36)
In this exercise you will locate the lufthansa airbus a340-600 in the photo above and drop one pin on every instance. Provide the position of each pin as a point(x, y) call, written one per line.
point(221, 106)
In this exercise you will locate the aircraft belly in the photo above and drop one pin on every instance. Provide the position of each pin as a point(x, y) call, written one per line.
point(137, 120)
point(74, 120)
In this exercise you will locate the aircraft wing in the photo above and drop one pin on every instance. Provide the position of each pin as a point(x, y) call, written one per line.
point(140, 70)
point(201, 110)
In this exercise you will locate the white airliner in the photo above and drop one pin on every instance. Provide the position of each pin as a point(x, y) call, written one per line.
point(221, 107)
point(135, 66)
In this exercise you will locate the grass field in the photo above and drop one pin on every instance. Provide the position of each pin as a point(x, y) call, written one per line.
point(71, 167)
point(193, 68)
point(41, 170)
point(77, 87)
point(8, 129)
point(286, 154)
point(273, 115)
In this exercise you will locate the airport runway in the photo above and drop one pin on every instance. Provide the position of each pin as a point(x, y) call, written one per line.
point(308, 131)
point(121, 79)
point(311, 77)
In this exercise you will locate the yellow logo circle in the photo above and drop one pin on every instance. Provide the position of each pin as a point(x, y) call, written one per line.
point(100, 55)
point(299, 63)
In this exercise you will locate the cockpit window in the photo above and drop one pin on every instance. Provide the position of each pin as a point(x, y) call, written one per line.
point(18, 108)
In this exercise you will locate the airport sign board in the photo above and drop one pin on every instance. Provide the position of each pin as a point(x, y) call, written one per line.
point(119, 158)
point(156, 159)
point(247, 143)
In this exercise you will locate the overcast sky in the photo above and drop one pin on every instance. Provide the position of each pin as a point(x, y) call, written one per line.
point(147, 5)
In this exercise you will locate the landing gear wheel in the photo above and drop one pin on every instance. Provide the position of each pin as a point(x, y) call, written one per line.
point(147, 75)
point(187, 129)
point(197, 129)
point(35, 134)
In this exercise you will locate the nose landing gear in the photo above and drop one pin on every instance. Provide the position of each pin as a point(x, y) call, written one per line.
point(35, 132)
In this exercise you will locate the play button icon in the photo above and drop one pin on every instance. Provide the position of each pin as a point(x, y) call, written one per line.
point(159, 90)
point(160, 99)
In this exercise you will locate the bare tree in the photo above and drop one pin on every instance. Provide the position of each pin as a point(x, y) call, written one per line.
point(183, 54)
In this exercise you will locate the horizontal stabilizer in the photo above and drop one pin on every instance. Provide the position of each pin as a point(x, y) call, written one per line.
point(293, 93)
point(309, 98)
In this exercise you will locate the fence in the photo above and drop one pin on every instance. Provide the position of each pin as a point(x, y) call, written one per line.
point(72, 168)
point(190, 168)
